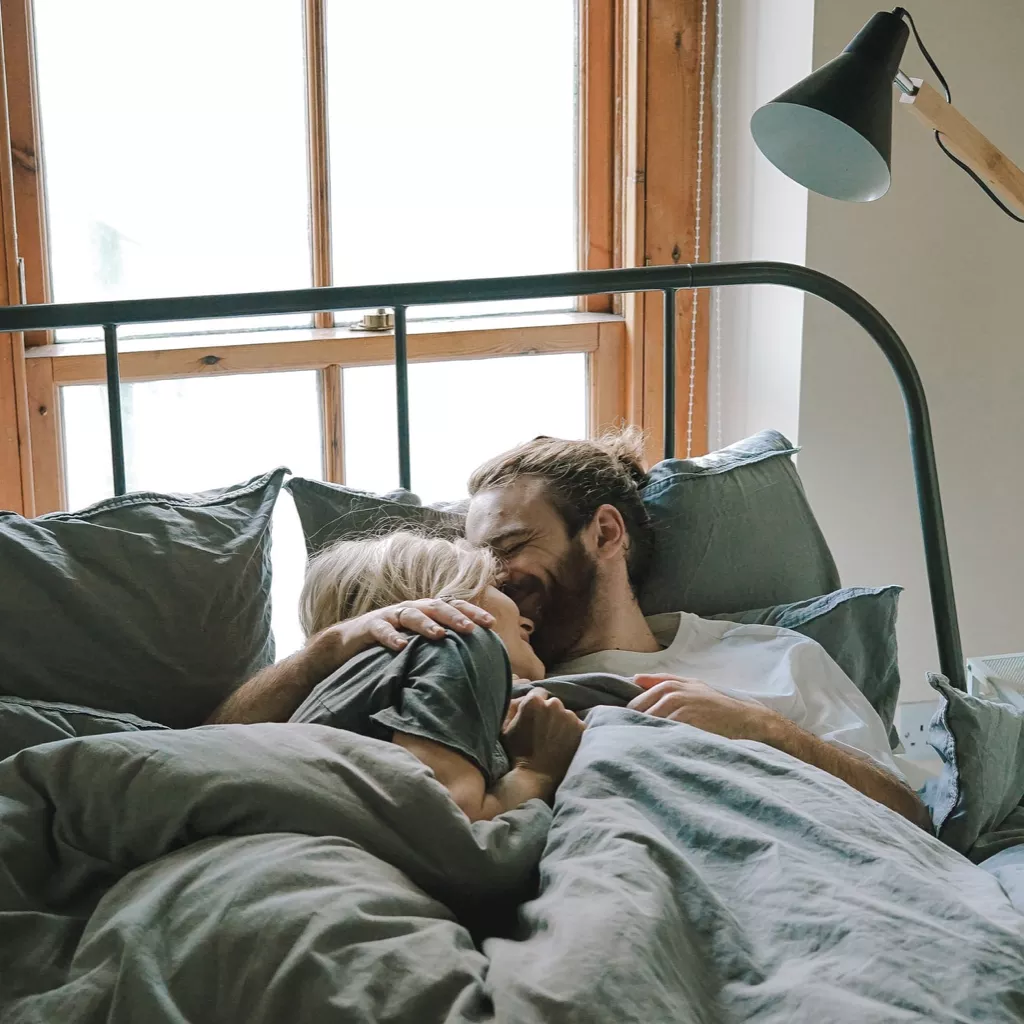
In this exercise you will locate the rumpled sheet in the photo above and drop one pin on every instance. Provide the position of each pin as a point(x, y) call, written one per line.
point(296, 873)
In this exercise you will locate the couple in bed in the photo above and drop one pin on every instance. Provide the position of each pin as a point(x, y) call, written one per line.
point(435, 644)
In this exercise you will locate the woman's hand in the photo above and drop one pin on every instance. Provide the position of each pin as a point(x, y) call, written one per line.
point(541, 735)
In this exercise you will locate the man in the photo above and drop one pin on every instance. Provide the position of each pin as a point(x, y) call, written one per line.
point(567, 519)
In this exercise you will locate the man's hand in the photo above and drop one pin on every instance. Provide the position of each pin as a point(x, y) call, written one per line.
point(695, 703)
point(541, 735)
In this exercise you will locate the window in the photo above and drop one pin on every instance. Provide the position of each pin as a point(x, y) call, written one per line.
point(199, 146)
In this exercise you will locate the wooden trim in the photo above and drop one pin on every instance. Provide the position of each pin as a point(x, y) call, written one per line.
point(631, 99)
point(318, 153)
point(606, 371)
point(660, 75)
point(989, 162)
point(26, 151)
point(47, 435)
point(311, 349)
point(332, 424)
point(16, 486)
point(596, 144)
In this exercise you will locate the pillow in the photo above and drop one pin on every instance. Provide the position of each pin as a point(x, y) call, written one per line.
point(154, 604)
point(27, 723)
point(330, 512)
point(979, 791)
point(733, 530)
point(857, 626)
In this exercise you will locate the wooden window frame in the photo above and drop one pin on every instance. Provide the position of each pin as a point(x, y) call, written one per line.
point(635, 207)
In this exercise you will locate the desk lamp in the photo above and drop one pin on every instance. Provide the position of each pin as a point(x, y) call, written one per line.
point(832, 132)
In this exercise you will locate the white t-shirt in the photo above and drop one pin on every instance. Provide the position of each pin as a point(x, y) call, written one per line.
point(779, 668)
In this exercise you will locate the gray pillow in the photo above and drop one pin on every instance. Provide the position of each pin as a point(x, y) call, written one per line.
point(154, 604)
point(734, 530)
point(330, 512)
point(976, 800)
point(857, 626)
point(27, 723)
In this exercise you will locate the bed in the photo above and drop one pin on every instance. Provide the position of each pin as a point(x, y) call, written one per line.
point(281, 872)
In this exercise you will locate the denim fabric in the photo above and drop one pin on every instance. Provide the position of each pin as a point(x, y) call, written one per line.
point(154, 604)
point(976, 800)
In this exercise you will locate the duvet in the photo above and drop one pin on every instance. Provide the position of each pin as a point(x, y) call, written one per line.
point(296, 873)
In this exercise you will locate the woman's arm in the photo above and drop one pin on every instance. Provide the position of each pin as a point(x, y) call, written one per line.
point(466, 782)
point(273, 694)
point(541, 736)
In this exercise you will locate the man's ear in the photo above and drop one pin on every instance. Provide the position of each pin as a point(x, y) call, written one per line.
point(608, 533)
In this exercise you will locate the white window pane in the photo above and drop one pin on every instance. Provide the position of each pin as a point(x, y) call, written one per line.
point(452, 132)
point(460, 413)
point(190, 435)
point(174, 148)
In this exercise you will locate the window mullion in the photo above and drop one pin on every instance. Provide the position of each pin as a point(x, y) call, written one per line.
point(316, 135)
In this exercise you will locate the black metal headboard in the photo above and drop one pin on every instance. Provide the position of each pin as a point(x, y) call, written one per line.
point(668, 280)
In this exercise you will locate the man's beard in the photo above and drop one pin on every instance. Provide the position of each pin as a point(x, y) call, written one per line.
point(563, 607)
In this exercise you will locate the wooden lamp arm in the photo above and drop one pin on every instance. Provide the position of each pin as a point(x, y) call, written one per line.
point(966, 143)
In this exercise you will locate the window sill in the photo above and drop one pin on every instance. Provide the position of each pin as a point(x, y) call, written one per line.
point(154, 358)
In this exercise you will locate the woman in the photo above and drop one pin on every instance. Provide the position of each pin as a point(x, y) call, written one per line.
point(448, 700)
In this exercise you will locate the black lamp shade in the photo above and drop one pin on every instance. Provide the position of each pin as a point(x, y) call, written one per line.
point(832, 132)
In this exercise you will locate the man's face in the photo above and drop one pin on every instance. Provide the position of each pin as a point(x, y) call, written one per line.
point(550, 577)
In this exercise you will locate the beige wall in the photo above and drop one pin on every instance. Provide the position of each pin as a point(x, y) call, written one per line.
point(947, 269)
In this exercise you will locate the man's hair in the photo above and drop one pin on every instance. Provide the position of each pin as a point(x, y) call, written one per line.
point(356, 576)
point(580, 477)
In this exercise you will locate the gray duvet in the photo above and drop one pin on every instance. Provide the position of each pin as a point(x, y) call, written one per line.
point(290, 873)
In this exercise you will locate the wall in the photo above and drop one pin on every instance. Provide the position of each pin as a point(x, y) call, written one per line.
point(765, 48)
point(944, 266)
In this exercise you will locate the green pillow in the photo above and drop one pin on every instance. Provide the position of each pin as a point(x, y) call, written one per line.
point(977, 800)
point(329, 512)
point(857, 626)
point(153, 604)
point(733, 530)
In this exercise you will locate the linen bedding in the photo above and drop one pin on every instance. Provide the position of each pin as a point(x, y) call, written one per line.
point(294, 872)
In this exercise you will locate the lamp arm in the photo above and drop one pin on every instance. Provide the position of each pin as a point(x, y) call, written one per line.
point(966, 143)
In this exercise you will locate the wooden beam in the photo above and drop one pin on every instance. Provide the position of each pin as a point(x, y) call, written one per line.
point(659, 174)
point(317, 155)
point(155, 359)
point(966, 143)
point(596, 144)
point(16, 486)
point(606, 368)
point(630, 198)
point(26, 150)
point(332, 424)
point(47, 436)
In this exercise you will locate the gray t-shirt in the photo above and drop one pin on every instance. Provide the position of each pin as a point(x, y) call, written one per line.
point(454, 691)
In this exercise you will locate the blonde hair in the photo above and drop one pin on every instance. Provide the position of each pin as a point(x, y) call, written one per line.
point(352, 577)
point(580, 477)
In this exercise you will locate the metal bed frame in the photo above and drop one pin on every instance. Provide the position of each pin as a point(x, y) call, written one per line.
point(668, 280)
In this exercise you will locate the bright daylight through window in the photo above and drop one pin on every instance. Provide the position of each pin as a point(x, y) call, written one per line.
point(175, 162)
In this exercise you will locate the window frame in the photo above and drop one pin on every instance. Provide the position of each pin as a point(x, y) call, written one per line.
point(629, 152)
